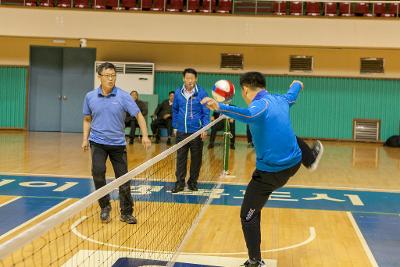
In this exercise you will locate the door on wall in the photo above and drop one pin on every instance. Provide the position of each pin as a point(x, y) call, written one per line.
point(59, 79)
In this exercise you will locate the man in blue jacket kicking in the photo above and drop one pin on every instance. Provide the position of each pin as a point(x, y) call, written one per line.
point(189, 116)
point(278, 153)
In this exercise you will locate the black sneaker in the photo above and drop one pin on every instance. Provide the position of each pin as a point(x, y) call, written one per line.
point(169, 141)
point(254, 263)
point(129, 219)
point(317, 150)
point(105, 214)
point(250, 144)
point(210, 146)
point(177, 188)
point(232, 146)
point(131, 141)
point(193, 187)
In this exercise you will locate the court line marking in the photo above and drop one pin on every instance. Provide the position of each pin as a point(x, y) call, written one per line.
point(74, 230)
point(49, 175)
point(362, 240)
point(9, 201)
point(34, 218)
point(318, 187)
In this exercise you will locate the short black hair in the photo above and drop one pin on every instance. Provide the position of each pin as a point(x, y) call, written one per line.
point(134, 91)
point(105, 66)
point(171, 92)
point(189, 70)
point(253, 80)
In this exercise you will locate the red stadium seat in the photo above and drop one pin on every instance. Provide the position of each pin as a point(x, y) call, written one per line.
point(175, 6)
point(146, 4)
point(206, 8)
point(81, 3)
point(64, 3)
point(362, 9)
point(392, 10)
point(192, 6)
point(158, 5)
point(225, 6)
point(46, 3)
point(345, 9)
point(313, 8)
point(330, 9)
point(378, 9)
point(130, 4)
point(30, 3)
point(279, 8)
point(296, 8)
point(99, 4)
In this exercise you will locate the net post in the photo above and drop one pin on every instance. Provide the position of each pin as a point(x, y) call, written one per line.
point(227, 136)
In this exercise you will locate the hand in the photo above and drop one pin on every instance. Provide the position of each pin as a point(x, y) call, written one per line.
point(297, 81)
point(203, 135)
point(211, 103)
point(85, 145)
point(146, 142)
point(166, 116)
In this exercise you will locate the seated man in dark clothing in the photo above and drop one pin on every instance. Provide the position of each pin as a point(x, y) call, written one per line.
point(163, 118)
point(131, 121)
point(220, 126)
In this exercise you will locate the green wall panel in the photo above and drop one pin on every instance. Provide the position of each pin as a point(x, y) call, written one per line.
point(325, 108)
point(12, 97)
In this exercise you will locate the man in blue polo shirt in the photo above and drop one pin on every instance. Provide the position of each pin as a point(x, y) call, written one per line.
point(277, 149)
point(104, 111)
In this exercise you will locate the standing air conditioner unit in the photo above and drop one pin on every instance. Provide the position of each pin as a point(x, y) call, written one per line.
point(132, 76)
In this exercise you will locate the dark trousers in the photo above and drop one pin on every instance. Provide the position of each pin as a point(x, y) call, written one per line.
point(196, 153)
point(160, 123)
point(132, 123)
point(118, 160)
point(307, 156)
point(220, 126)
point(257, 193)
point(248, 135)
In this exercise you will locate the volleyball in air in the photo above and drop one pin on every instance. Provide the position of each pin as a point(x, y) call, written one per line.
point(223, 91)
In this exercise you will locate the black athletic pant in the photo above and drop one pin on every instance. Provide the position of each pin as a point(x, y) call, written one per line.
point(196, 153)
point(307, 157)
point(132, 123)
point(118, 160)
point(257, 193)
point(159, 123)
point(220, 126)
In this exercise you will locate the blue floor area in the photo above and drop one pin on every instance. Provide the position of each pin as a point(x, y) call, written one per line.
point(376, 213)
point(22, 210)
point(382, 233)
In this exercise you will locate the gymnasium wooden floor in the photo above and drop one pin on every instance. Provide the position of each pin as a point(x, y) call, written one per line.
point(344, 214)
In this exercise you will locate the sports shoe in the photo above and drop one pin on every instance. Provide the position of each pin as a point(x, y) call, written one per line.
point(177, 188)
point(105, 214)
point(233, 146)
point(129, 219)
point(210, 145)
point(169, 141)
point(193, 187)
point(254, 263)
point(317, 150)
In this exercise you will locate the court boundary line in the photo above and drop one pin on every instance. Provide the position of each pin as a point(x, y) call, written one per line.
point(14, 198)
point(311, 237)
point(362, 240)
point(32, 219)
